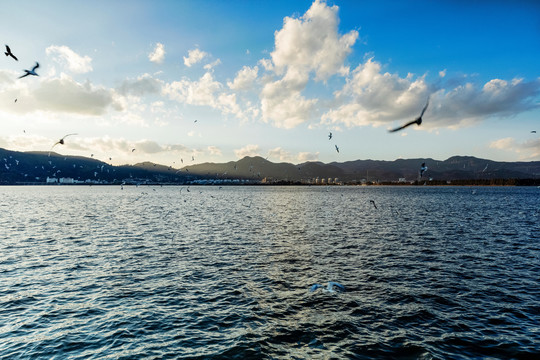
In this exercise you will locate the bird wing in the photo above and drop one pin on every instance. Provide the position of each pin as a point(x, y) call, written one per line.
point(35, 67)
point(404, 126)
point(67, 136)
point(424, 109)
point(27, 73)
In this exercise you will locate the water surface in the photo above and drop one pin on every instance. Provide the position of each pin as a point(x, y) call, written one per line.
point(209, 272)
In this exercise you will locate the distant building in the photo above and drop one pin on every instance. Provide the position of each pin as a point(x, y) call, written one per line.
point(52, 180)
point(66, 181)
point(402, 180)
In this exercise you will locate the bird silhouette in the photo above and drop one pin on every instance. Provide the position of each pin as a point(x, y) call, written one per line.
point(416, 121)
point(330, 136)
point(373, 203)
point(31, 72)
point(61, 141)
point(9, 53)
point(337, 149)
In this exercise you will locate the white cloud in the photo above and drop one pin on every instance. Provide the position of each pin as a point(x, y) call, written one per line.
point(158, 55)
point(281, 154)
point(313, 43)
point(371, 97)
point(65, 95)
point(194, 56)
point(204, 92)
point(248, 150)
point(307, 156)
point(212, 65)
point(244, 78)
point(70, 59)
point(527, 150)
point(442, 73)
point(214, 150)
point(304, 45)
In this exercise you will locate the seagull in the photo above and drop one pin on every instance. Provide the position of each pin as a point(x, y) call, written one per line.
point(416, 121)
point(61, 141)
point(31, 72)
point(330, 136)
point(132, 150)
point(331, 287)
point(337, 149)
point(423, 168)
point(9, 53)
point(533, 132)
point(373, 202)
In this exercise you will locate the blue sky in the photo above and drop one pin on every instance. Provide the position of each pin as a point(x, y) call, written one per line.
point(272, 78)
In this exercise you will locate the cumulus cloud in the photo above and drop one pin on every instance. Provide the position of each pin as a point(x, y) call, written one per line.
point(527, 150)
point(214, 150)
point(144, 84)
point(158, 55)
point(65, 95)
point(373, 97)
point(194, 56)
point(204, 92)
point(470, 103)
point(307, 156)
point(70, 59)
point(248, 150)
point(312, 42)
point(306, 45)
point(244, 78)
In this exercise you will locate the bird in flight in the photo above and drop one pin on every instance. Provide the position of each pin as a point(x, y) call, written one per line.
point(423, 168)
point(31, 72)
point(61, 141)
point(330, 136)
point(416, 121)
point(373, 203)
point(9, 53)
point(337, 149)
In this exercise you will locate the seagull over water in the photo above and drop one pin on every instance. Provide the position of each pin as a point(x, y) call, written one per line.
point(31, 72)
point(416, 121)
point(9, 53)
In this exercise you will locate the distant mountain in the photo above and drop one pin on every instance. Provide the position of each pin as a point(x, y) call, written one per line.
point(454, 168)
point(36, 167)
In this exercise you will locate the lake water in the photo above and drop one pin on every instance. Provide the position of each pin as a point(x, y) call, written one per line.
point(219, 273)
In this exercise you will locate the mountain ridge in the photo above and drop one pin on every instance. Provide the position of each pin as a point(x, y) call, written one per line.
point(36, 167)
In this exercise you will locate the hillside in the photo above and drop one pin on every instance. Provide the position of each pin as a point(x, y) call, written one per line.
point(36, 167)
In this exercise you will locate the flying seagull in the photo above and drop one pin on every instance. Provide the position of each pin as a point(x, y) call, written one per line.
point(9, 53)
point(416, 121)
point(423, 168)
point(330, 136)
point(61, 141)
point(31, 72)
point(373, 202)
point(337, 149)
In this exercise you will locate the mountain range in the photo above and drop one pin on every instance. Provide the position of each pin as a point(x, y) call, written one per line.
point(36, 167)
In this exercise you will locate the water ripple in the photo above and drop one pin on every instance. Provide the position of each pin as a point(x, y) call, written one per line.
point(432, 273)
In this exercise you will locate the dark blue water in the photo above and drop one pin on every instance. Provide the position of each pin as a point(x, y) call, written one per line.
point(213, 273)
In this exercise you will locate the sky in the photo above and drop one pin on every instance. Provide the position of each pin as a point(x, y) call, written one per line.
point(186, 82)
